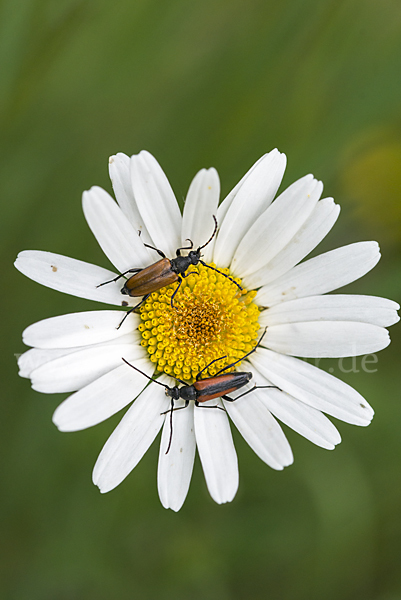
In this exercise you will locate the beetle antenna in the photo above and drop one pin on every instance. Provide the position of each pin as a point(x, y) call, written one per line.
point(224, 275)
point(171, 426)
point(212, 236)
point(207, 366)
point(258, 344)
point(245, 356)
point(139, 371)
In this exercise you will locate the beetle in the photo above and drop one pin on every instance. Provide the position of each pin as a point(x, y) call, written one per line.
point(164, 272)
point(208, 388)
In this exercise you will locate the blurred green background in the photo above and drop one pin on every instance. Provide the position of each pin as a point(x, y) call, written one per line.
point(198, 84)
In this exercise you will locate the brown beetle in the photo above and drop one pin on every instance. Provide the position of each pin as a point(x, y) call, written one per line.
point(164, 272)
point(209, 388)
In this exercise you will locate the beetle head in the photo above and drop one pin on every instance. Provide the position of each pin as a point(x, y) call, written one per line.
point(194, 256)
point(173, 392)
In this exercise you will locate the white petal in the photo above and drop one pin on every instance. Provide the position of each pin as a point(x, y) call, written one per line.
point(103, 398)
point(251, 199)
point(322, 274)
point(156, 203)
point(326, 339)
point(77, 369)
point(277, 226)
point(120, 175)
point(217, 452)
point(199, 208)
point(35, 358)
point(69, 275)
point(304, 241)
point(260, 430)
point(131, 438)
point(337, 307)
point(175, 468)
point(79, 329)
point(114, 233)
point(313, 386)
point(226, 203)
point(305, 420)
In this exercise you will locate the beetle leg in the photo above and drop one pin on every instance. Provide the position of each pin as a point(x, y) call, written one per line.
point(240, 396)
point(159, 252)
point(133, 308)
point(176, 290)
point(124, 317)
point(190, 273)
point(201, 405)
point(118, 276)
point(272, 387)
point(174, 409)
point(179, 283)
point(255, 387)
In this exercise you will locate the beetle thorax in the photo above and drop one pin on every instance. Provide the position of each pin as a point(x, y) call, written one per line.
point(180, 264)
point(188, 392)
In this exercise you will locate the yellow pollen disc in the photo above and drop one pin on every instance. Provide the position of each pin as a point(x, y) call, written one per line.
point(211, 319)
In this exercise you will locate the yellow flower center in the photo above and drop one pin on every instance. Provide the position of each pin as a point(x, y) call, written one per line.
point(211, 319)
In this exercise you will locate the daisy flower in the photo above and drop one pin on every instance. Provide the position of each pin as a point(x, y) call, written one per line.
point(260, 244)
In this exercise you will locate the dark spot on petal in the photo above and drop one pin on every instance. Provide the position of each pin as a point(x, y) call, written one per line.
point(362, 405)
point(54, 269)
point(124, 303)
point(291, 289)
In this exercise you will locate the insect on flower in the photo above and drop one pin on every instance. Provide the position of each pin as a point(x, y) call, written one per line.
point(262, 244)
point(164, 272)
point(208, 388)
